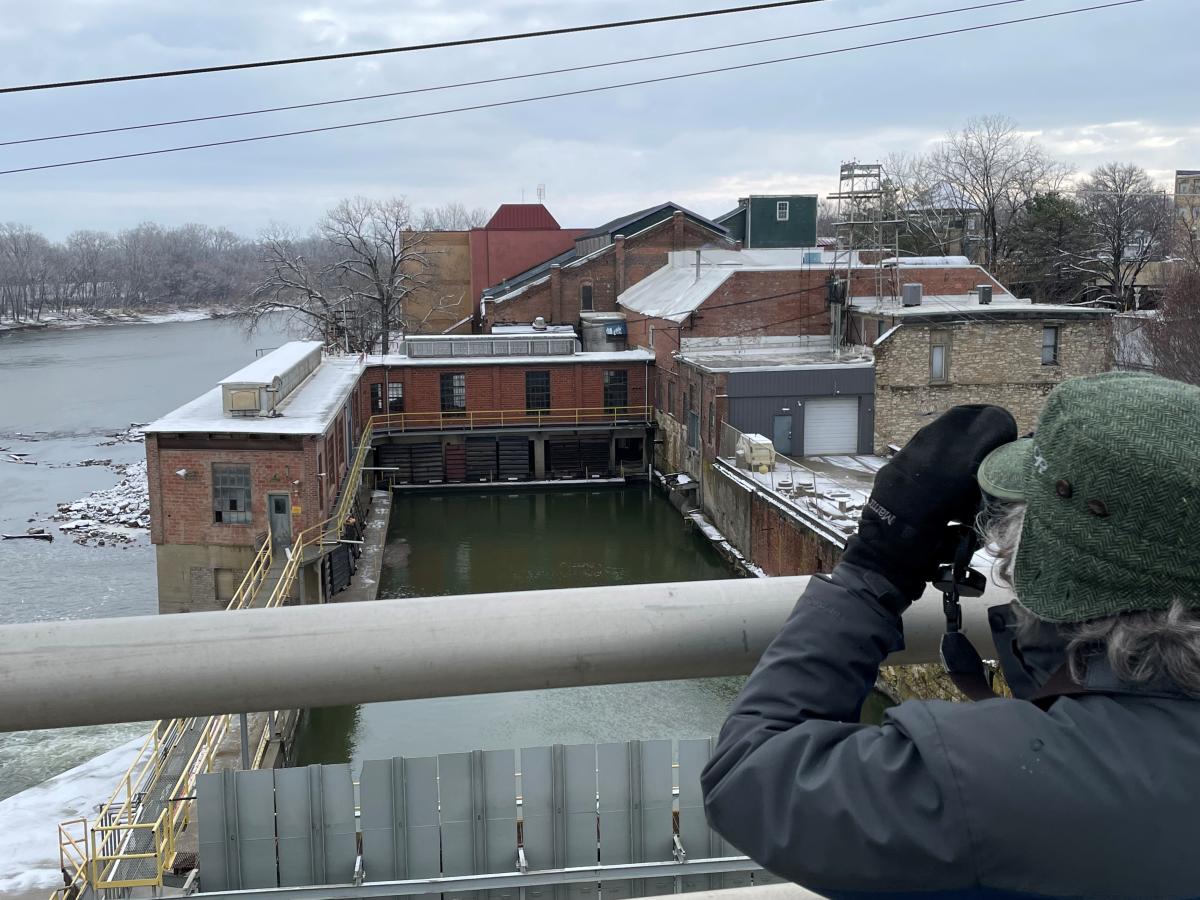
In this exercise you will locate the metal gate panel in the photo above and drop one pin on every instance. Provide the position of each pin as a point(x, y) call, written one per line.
point(294, 818)
point(421, 814)
point(658, 832)
point(620, 796)
point(384, 823)
point(457, 781)
point(698, 840)
point(314, 814)
point(539, 817)
point(218, 831)
point(579, 819)
point(500, 817)
point(338, 828)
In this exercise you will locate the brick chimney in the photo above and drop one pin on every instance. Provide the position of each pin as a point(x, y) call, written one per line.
point(677, 231)
point(619, 254)
point(556, 293)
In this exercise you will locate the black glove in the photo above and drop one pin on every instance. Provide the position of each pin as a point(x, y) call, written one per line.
point(902, 533)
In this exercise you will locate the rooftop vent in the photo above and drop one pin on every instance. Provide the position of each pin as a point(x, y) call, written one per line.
point(539, 324)
point(985, 294)
point(911, 294)
point(259, 388)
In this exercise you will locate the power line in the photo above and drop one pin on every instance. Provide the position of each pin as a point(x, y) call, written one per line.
point(573, 93)
point(500, 79)
point(439, 45)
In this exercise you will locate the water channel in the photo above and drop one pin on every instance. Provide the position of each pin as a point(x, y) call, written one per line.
point(441, 544)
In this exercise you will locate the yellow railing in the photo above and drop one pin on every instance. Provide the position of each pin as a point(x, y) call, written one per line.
point(503, 418)
point(98, 863)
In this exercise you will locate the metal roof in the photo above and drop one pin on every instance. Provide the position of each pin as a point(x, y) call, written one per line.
point(522, 217)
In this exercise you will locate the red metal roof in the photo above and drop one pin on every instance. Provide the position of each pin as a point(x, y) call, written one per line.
point(522, 217)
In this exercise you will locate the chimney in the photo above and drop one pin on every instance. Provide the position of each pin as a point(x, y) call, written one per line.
point(985, 294)
point(619, 251)
point(556, 292)
point(677, 230)
point(737, 245)
point(911, 294)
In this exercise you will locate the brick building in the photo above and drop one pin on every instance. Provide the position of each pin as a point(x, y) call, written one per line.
point(513, 407)
point(604, 262)
point(267, 448)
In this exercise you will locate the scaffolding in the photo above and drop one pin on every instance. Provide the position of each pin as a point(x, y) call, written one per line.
point(868, 232)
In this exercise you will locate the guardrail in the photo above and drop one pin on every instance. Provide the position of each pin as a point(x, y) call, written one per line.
point(503, 418)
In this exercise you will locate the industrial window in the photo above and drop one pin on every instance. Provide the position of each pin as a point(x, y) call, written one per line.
point(783, 209)
point(231, 494)
point(377, 398)
point(712, 423)
point(670, 396)
point(693, 430)
point(454, 392)
point(395, 398)
point(939, 358)
point(1050, 345)
point(537, 390)
point(651, 338)
point(585, 296)
point(616, 388)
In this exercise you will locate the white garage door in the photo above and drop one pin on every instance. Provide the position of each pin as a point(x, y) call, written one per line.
point(830, 426)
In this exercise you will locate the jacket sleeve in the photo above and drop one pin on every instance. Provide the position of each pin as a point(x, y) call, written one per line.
point(812, 795)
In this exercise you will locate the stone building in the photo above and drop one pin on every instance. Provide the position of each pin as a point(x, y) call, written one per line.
point(936, 351)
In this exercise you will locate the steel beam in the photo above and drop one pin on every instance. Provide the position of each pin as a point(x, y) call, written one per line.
point(57, 674)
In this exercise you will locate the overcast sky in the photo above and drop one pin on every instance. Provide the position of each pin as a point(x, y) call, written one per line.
point(1112, 84)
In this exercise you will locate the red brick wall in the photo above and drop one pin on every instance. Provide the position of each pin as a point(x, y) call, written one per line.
point(642, 255)
point(781, 546)
point(502, 387)
point(181, 509)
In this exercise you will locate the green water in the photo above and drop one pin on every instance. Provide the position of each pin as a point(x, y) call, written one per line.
point(441, 544)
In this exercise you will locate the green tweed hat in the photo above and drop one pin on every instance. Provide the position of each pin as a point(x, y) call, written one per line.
point(1111, 483)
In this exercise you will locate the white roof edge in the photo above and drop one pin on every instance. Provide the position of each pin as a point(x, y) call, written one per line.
point(269, 365)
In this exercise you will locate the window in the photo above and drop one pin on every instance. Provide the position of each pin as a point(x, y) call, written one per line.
point(670, 397)
point(939, 358)
point(651, 338)
point(377, 398)
point(1050, 345)
point(231, 494)
point(537, 390)
point(712, 423)
point(616, 388)
point(585, 296)
point(783, 209)
point(320, 481)
point(395, 398)
point(454, 392)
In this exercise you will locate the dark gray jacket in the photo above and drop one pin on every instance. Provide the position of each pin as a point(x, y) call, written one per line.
point(1096, 797)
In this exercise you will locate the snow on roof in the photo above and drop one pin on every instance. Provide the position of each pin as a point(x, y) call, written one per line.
point(264, 369)
point(947, 305)
point(887, 334)
point(310, 409)
point(940, 262)
point(774, 355)
point(613, 356)
point(673, 293)
point(527, 328)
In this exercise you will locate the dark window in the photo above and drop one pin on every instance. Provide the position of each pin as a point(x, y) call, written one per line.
point(231, 494)
point(454, 392)
point(537, 390)
point(939, 357)
point(585, 297)
point(1050, 345)
point(670, 397)
point(377, 398)
point(616, 388)
point(693, 430)
point(712, 423)
point(395, 398)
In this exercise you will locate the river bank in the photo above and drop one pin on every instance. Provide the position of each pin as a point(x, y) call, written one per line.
point(72, 321)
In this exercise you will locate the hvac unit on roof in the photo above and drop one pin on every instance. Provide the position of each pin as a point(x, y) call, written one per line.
point(985, 294)
point(911, 294)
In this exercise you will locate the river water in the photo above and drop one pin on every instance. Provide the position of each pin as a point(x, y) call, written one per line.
point(463, 543)
point(62, 395)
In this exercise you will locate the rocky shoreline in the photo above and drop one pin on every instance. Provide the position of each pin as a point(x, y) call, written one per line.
point(113, 317)
point(114, 516)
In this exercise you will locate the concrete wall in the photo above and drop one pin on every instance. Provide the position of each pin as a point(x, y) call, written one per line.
point(448, 298)
point(989, 362)
point(196, 578)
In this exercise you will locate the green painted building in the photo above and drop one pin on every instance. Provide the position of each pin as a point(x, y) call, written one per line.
point(777, 220)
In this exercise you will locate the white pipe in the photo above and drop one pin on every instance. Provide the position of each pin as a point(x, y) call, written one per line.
point(57, 674)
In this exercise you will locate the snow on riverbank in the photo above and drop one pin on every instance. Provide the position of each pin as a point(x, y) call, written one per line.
point(113, 516)
point(112, 317)
point(29, 820)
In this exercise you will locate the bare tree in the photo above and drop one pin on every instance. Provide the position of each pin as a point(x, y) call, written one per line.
point(938, 217)
point(826, 218)
point(356, 282)
point(1130, 222)
point(1172, 332)
point(995, 169)
point(451, 217)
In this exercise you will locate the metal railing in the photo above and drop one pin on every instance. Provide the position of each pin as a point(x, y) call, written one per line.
point(132, 841)
point(471, 420)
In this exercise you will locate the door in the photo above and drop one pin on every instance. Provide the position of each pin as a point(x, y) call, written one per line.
point(831, 426)
point(781, 434)
point(279, 507)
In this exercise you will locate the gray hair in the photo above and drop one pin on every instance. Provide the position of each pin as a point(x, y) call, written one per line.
point(1141, 647)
